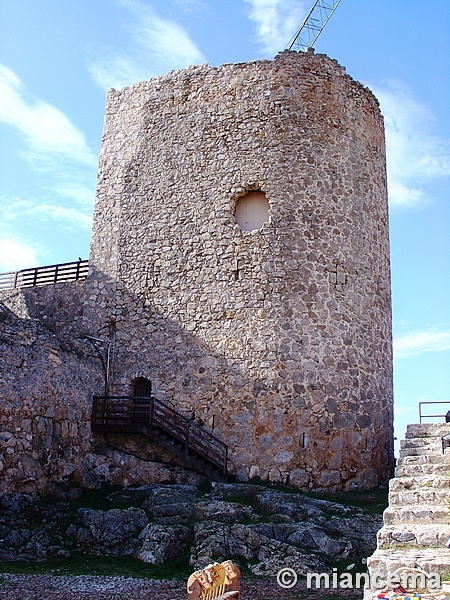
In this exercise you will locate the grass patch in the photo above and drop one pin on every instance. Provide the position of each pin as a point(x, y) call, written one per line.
point(240, 500)
point(373, 501)
point(94, 499)
point(117, 566)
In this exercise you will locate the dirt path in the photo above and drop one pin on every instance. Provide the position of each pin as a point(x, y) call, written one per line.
point(86, 587)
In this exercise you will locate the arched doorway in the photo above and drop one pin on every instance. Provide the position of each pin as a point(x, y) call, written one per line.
point(142, 391)
point(142, 387)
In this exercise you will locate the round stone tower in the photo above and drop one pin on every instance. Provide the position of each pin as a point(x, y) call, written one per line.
point(240, 262)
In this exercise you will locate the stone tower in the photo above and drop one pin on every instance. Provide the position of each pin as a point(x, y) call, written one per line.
point(240, 262)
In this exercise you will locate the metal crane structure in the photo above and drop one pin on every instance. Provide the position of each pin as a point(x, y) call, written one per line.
point(313, 24)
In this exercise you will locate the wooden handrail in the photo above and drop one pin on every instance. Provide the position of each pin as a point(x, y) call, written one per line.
point(141, 414)
point(47, 275)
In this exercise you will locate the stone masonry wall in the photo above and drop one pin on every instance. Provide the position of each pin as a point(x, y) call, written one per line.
point(46, 389)
point(278, 340)
point(48, 376)
point(58, 307)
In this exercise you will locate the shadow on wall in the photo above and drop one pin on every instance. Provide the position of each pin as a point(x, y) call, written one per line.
point(58, 307)
point(46, 388)
point(50, 378)
point(278, 429)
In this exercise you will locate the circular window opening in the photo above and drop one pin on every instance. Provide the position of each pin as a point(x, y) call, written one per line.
point(252, 211)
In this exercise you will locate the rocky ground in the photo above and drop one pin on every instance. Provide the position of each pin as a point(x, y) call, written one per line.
point(262, 529)
point(47, 587)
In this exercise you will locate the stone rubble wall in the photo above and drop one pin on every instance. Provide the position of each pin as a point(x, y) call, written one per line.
point(46, 387)
point(278, 340)
point(58, 307)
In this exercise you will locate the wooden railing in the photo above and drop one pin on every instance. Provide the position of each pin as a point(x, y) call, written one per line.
point(131, 414)
point(47, 275)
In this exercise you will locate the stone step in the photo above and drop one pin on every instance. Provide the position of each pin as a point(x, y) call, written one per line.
point(420, 514)
point(432, 459)
point(433, 497)
point(427, 442)
point(385, 563)
point(420, 482)
point(423, 430)
point(412, 470)
point(431, 560)
point(402, 536)
point(421, 451)
point(421, 447)
point(416, 531)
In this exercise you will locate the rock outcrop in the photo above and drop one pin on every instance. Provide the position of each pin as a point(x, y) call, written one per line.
point(263, 529)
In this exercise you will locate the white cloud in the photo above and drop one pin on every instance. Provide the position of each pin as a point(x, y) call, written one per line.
point(45, 129)
point(402, 196)
point(158, 45)
point(54, 148)
point(415, 155)
point(71, 217)
point(41, 211)
point(76, 190)
point(192, 6)
point(15, 255)
point(276, 21)
point(116, 72)
point(13, 208)
point(417, 342)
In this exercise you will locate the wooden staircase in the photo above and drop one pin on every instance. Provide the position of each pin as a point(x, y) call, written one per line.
point(159, 422)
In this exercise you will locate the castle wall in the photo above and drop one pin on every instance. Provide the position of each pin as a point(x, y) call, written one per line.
point(49, 374)
point(46, 392)
point(278, 340)
point(58, 307)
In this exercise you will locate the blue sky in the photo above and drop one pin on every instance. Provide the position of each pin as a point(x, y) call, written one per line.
point(58, 57)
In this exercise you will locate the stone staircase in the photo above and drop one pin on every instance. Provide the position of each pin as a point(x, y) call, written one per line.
point(416, 531)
